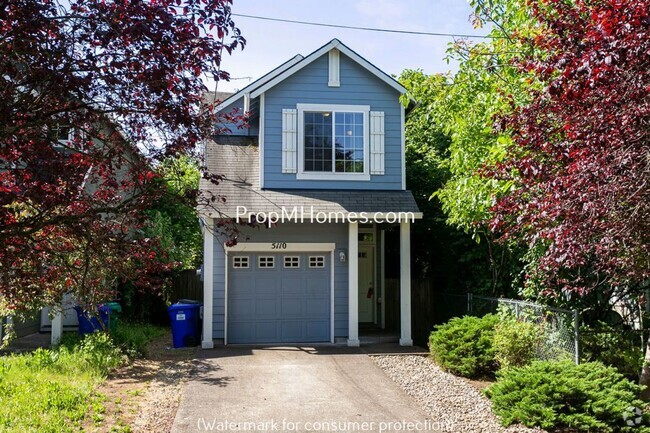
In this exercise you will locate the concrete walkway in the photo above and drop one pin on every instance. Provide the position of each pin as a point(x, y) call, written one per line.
point(295, 389)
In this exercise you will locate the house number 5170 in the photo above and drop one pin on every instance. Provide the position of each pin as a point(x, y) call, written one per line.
point(279, 246)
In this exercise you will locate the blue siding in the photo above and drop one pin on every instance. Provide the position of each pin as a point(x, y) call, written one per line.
point(234, 129)
point(309, 86)
point(290, 232)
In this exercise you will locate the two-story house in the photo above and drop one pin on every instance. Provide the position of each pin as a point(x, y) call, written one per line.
point(322, 169)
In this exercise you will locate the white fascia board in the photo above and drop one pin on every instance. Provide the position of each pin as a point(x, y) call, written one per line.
point(259, 82)
point(260, 138)
point(403, 145)
point(334, 43)
point(281, 247)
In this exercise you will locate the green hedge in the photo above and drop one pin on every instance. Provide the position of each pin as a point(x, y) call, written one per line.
point(464, 345)
point(587, 397)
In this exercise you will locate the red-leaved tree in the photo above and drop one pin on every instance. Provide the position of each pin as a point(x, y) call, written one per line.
point(581, 159)
point(93, 95)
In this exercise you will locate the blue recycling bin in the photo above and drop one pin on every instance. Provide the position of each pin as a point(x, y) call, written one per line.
point(89, 323)
point(186, 324)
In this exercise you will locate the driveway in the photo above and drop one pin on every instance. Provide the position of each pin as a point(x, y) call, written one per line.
point(294, 389)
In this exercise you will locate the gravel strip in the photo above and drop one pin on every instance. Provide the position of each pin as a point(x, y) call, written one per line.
point(452, 404)
point(158, 407)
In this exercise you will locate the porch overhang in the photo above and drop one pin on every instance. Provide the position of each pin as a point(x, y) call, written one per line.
point(305, 206)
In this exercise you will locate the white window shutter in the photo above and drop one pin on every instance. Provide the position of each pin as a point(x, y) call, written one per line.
point(289, 140)
point(376, 142)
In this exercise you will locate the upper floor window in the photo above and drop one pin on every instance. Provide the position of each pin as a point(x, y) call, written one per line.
point(60, 134)
point(333, 142)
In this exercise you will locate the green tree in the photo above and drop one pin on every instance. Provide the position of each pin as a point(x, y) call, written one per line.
point(464, 107)
point(172, 219)
point(445, 254)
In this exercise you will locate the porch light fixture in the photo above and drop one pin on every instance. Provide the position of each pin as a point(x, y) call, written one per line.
point(342, 255)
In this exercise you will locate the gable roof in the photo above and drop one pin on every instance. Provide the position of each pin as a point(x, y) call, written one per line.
point(260, 81)
point(259, 88)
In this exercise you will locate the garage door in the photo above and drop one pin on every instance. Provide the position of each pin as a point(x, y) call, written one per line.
point(279, 298)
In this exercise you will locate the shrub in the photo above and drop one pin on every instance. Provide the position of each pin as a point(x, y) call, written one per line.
point(464, 346)
point(587, 397)
point(516, 342)
point(612, 346)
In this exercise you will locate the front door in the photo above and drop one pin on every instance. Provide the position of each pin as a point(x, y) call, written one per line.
point(366, 284)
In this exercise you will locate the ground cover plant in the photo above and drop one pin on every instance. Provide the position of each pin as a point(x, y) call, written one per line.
point(562, 395)
point(54, 390)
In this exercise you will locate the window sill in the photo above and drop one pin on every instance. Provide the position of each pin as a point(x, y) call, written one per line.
point(333, 176)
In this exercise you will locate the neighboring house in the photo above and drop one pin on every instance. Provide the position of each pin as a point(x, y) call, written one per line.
point(326, 137)
point(65, 317)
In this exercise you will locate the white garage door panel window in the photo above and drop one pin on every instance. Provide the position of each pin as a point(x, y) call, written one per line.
point(279, 298)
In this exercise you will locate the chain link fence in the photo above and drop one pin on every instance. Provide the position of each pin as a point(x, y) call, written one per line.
point(560, 328)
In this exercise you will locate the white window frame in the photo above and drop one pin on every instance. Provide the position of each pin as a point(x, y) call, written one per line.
point(333, 175)
point(64, 142)
point(319, 262)
point(237, 262)
point(266, 262)
point(292, 260)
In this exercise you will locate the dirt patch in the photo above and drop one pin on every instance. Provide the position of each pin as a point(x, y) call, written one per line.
point(144, 395)
point(480, 384)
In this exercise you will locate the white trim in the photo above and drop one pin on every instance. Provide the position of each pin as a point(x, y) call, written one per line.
point(334, 63)
point(333, 175)
point(375, 268)
point(353, 284)
point(291, 262)
point(290, 247)
point(248, 262)
point(382, 264)
point(377, 138)
point(317, 264)
point(208, 283)
point(247, 102)
point(265, 260)
point(405, 283)
point(289, 139)
point(403, 149)
point(268, 247)
point(334, 43)
point(261, 81)
point(260, 137)
point(225, 297)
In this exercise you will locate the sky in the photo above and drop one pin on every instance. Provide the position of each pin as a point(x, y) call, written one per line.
point(271, 43)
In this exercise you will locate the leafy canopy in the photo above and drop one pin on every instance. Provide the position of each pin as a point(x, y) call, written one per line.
point(580, 165)
point(93, 95)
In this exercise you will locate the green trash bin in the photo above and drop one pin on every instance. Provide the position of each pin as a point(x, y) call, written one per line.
point(114, 311)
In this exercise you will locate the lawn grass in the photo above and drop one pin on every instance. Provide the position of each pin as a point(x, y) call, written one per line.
point(54, 390)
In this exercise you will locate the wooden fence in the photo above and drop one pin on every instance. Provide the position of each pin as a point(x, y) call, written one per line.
point(187, 285)
point(428, 308)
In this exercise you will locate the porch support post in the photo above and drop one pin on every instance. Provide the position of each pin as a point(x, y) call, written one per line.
point(208, 277)
point(353, 284)
point(57, 325)
point(405, 283)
